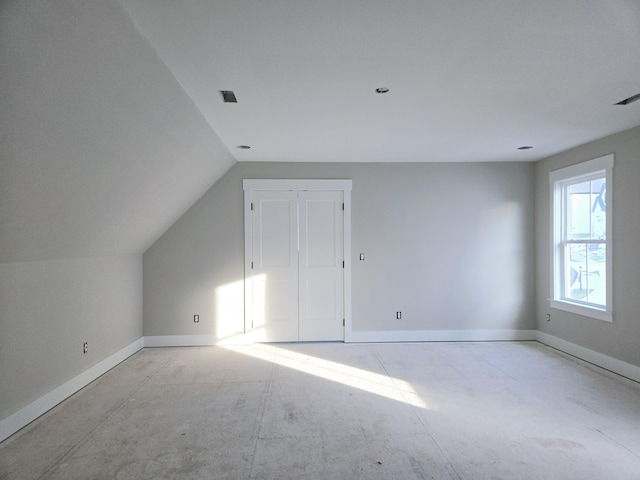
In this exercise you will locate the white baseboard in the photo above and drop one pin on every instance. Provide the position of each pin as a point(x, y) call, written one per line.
point(441, 336)
point(358, 337)
point(599, 359)
point(26, 415)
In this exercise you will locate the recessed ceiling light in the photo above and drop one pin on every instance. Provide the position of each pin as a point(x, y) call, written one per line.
point(382, 90)
point(629, 100)
point(244, 147)
point(525, 147)
point(228, 96)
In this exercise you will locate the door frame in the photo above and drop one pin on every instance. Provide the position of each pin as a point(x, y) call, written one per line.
point(343, 185)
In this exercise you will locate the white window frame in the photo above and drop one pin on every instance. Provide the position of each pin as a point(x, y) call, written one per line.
point(560, 180)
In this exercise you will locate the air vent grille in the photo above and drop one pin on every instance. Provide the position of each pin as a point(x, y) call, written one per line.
point(228, 96)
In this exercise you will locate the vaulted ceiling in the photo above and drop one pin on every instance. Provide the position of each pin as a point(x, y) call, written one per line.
point(468, 80)
point(112, 123)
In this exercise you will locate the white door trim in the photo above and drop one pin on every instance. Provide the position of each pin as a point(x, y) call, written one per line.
point(344, 185)
point(296, 184)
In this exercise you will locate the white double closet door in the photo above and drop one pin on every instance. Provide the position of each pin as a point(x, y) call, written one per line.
point(297, 266)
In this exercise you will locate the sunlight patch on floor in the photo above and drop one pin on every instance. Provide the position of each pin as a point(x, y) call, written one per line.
point(383, 385)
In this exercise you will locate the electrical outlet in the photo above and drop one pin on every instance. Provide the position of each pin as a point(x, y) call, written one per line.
point(85, 347)
point(196, 319)
point(548, 317)
point(399, 315)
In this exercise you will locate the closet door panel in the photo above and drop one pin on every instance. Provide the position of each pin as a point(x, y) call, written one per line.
point(275, 266)
point(320, 268)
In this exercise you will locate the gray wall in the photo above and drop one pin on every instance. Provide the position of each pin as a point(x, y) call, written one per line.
point(48, 309)
point(450, 245)
point(620, 338)
point(101, 150)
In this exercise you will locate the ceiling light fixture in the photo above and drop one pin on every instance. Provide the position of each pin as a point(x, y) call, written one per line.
point(228, 96)
point(382, 90)
point(244, 147)
point(525, 147)
point(627, 101)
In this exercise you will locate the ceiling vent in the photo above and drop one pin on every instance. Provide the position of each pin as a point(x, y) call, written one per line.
point(629, 100)
point(228, 96)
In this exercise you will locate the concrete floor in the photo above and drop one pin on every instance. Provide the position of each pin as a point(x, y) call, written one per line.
point(318, 411)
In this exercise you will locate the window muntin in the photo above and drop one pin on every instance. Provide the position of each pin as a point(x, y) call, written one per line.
point(581, 265)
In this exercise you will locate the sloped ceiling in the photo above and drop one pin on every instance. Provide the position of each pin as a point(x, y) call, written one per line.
point(469, 80)
point(101, 149)
point(112, 125)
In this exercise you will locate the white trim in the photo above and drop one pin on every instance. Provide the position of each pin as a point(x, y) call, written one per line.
point(28, 414)
point(591, 312)
point(364, 337)
point(248, 248)
point(558, 179)
point(442, 336)
point(599, 359)
point(347, 263)
point(296, 184)
point(583, 168)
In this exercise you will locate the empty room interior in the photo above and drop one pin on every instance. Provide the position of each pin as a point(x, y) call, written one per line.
point(337, 239)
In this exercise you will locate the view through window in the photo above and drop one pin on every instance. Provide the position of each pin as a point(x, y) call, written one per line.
point(585, 246)
point(581, 210)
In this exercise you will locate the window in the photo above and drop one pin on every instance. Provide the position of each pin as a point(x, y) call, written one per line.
point(581, 235)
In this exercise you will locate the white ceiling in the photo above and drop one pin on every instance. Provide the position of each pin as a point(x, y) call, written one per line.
point(469, 80)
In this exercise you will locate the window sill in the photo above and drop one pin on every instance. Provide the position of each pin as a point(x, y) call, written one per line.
point(592, 312)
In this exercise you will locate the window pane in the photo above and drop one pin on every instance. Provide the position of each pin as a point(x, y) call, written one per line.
point(586, 273)
point(597, 273)
point(586, 210)
point(579, 211)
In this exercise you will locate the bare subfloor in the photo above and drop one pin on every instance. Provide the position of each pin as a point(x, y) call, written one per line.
point(340, 411)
